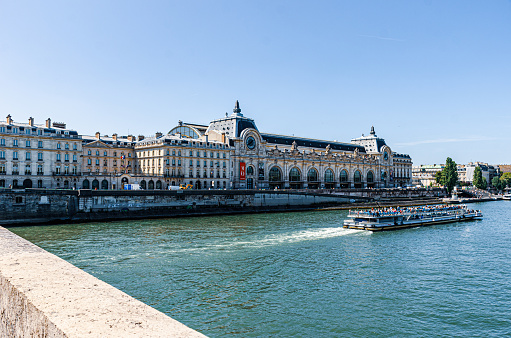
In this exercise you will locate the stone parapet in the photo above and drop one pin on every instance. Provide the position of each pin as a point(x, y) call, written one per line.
point(32, 206)
point(42, 295)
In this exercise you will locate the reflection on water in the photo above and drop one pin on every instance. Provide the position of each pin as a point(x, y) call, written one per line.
point(302, 274)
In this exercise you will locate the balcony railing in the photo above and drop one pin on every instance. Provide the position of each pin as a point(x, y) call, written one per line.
point(172, 175)
point(66, 174)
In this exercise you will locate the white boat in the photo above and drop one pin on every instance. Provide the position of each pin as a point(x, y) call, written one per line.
point(507, 197)
point(394, 218)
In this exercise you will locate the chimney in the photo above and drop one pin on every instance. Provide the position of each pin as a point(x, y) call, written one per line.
point(114, 136)
point(158, 134)
point(223, 138)
point(141, 137)
point(9, 119)
point(98, 135)
point(48, 123)
point(31, 121)
point(131, 138)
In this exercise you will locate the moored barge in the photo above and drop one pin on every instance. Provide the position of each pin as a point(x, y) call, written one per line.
point(408, 217)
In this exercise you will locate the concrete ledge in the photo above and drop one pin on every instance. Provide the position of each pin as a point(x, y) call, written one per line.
point(42, 295)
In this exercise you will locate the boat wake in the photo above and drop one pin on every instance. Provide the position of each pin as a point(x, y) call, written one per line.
point(274, 240)
point(304, 235)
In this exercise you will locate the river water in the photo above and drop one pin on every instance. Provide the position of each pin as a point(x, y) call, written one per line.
point(301, 274)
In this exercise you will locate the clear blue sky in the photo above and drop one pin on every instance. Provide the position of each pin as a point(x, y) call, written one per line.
point(433, 77)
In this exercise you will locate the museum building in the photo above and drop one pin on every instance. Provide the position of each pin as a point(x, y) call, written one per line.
point(269, 161)
point(228, 153)
point(231, 153)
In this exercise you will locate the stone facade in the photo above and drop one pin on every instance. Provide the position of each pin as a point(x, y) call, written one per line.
point(228, 153)
point(174, 160)
point(107, 160)
point(39, 155)
point(424, 175)
point(270, 161)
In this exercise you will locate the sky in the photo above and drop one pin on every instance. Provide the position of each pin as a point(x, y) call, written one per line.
point(432, 77)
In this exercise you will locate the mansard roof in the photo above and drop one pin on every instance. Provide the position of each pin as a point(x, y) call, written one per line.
point(311, 143)
point(401, 155)
point(121, 140)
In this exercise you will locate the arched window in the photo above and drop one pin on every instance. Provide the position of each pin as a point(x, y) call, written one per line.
point(185, 131)
point(86, 184)
point(344, 175)
point(143, 184)
point(357, 177)
point(158, 185)
point(150, 186)
point(294, 175)
point(104, 184)
point(370, 177)
point(275, 175)
point(95, 184)
point(329, 176)
point(312, 175)
point(27, 183)
point(250, 170)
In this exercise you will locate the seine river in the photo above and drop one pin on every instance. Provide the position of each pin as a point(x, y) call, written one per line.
point(302, 274)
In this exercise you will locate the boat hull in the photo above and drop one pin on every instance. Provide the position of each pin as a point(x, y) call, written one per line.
point(414, 224)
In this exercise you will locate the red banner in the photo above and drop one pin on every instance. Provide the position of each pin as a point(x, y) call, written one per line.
point(242, 171)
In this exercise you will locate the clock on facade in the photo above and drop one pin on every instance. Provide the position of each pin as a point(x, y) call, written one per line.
point(250, 142)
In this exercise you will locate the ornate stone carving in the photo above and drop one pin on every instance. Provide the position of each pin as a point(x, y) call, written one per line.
point(327, 152)
point(294, 146)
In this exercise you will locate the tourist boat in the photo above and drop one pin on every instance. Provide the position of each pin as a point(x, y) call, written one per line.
point(393, 218)
point(507, 197)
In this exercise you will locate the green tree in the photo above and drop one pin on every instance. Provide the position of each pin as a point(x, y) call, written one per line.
point(506, 177)
point(439, 177)
point(485, 183)
point(477, 181)
point(448, 177)
point(498, 183)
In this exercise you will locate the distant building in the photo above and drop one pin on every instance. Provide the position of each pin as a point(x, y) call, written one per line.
point(399, 166)
point(39, 155)
point(228, 153)
point(425, 174)
point(488, 172)
point(183, 156)
point(231, 153)
point(106, 159)
point(504, 168)
point(462, 173)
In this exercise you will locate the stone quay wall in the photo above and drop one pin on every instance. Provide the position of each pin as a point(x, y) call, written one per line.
point(42, 295)
point(36, 206)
